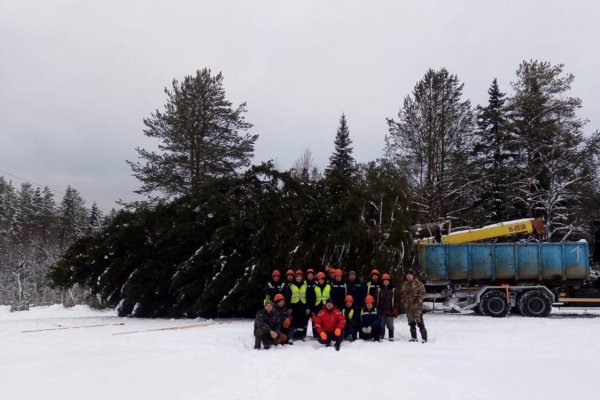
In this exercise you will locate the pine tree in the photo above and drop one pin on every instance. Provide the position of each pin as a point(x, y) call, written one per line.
point(552, 164)
point(493, 159)
point(73, 215)
point(94, 220)
point(202, 137)
point(430, 143)
point(341, 161)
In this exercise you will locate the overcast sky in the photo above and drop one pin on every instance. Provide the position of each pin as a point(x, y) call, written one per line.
point(77, 78)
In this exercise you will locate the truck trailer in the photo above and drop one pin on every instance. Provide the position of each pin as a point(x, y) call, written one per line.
point(495, 279)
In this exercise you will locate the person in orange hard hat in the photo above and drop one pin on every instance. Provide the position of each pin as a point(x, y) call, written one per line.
point(339, 290)
point(374, 285)
point(389, 299)
point(299, 305)
point(322, 292)
point(370, 321)
point(286, 330)
point(311, 297)
point(330, 323)
point(331, 275)
point(289, 279)
point(274, 286)
point(356, 288)
point(352, 315)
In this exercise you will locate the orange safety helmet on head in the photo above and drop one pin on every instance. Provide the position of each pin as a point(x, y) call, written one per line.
point(310, 271)
point(349, 298)
point(289, 272)
point(299, 272)
point(339, 272)
point(385, 276)
point(369, 299)
point(276, 273)
point(278, 297)
point(375, 272)
point(320, 275)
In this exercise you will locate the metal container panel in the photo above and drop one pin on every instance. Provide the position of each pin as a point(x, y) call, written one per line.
point(482, 262)
point(551, 261)
point(576, 259)
point(458, 263)
point(528, 256)
point(504, 262)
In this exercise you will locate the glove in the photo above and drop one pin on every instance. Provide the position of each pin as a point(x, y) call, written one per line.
point(273, 334)
point(369, 329)
point(323, 336)
point(337, 332)
point(396, 312)
point(307, 312)
point(283, 337)
point(364, 329)
point(287, 322)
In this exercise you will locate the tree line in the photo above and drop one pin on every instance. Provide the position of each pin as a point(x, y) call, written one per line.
point(214, 226)
point(34, 232)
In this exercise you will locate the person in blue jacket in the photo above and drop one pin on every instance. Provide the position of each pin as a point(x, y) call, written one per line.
point(370, 321)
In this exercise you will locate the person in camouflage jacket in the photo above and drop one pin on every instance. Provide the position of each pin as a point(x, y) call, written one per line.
point(266, 326)
point(412, 295)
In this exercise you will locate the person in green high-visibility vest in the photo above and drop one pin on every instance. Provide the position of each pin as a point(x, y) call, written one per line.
point(352, 315)
point(299, 305)
point(322, 292)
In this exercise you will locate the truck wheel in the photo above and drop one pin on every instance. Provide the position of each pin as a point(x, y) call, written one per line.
point(493, 304)
point(535, 303)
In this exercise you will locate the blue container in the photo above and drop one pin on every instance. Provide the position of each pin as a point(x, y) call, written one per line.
point(504, 262)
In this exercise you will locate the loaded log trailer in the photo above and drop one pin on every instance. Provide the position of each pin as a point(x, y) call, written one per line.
point(495, 279)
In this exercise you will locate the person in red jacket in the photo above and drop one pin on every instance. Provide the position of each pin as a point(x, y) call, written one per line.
point(330, 323)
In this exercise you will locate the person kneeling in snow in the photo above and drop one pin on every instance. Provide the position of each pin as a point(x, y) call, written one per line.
point(266, 327)
point(286, 330)
point(370, 321)
point(330, 323)
point(352, 315)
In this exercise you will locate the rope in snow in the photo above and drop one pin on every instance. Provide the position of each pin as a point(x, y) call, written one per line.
point(173, 328)
point(70, 327)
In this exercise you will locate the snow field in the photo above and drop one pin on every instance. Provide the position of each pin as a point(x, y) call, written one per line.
point(469, 357)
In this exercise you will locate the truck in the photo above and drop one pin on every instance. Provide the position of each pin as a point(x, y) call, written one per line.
point(495, 279)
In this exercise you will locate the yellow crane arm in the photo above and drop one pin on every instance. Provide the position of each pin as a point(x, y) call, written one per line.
point(518, 226)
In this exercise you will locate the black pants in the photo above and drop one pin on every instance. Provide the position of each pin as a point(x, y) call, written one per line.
point(299, 322)
point(374, 335)
point(331, 338)
point(350, 331)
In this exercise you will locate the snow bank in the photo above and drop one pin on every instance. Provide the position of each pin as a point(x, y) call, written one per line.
point(469, 357)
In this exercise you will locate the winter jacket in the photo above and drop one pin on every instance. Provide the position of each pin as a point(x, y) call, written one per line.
point(370, 318)
point(272, 288)
point(328, 321)
point(413, 293)
point(357, 290)
point(287, 292)
point(389, 300)
point(352, 316)
point(338, 292)
point(266, 321)
point(283, 313)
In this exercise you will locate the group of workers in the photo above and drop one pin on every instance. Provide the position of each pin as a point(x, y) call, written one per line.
point(338, 309)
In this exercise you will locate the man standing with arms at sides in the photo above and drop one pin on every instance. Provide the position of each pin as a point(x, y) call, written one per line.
point(412, 295)
point(311, 297)
point(388, 306)
point(299, 306)
point(339, 290)
point(373, 286)
point(274, 286)
point(356, 289)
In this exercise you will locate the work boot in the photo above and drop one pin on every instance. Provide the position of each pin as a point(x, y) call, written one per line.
point(424, 334)
point(413, 333)
point(337, 346)
point(257, 343)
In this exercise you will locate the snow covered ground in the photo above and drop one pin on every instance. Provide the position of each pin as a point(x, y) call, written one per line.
point(469, 357)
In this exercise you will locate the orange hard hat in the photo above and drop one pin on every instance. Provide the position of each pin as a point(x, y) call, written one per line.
point(276, 273)
point(339, 272)
point(310, 271)
point(289, 272)
point(375, 272)
point(320, 275)
point(278, 297)
point(349, 298)
point(299, 272)
point(385, 276)
point(369, 299)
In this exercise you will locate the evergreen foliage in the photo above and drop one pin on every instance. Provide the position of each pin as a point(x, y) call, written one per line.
point(430, 142)
point(202, 137)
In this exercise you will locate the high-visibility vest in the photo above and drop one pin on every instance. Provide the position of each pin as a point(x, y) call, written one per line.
point(298, 293)
point(350, 314)
point(322, 294)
